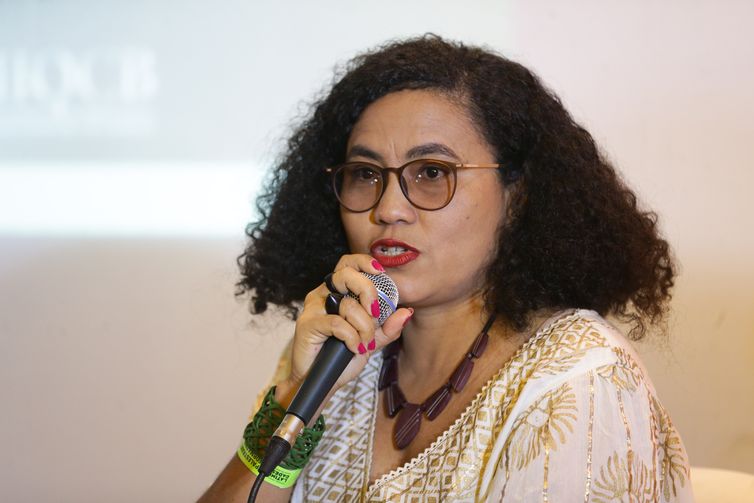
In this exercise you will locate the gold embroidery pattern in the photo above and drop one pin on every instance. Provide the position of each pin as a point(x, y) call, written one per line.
point(624, 373)
point(629, 448)
point(344, 446)
point(504, 464)
point(545, 423)
point(673, 460)
point(623, 480)
point(588, 489)
point(653, 432)
point(458, 456)
point(558, 354)
point(449, 469)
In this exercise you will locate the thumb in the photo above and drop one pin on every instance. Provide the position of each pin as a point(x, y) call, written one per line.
point(395, 323)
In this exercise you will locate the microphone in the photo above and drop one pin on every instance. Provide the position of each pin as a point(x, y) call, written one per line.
point(334, 356)
point(327, 367)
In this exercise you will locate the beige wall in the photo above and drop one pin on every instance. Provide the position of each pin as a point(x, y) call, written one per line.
point(127, 367)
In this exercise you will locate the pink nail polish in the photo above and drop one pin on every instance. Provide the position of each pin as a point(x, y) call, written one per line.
point(409, 316)
point(378, 266)
point(362, 349)
point(372, 345)
point(375, 309)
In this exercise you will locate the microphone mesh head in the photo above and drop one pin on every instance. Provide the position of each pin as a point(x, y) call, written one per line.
point(387, 294)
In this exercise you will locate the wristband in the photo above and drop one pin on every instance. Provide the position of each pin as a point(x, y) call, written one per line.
point(280, 477)
point(258, 433)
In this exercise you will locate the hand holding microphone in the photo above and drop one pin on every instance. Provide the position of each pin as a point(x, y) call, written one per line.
point(341, 323)
point(354, 324)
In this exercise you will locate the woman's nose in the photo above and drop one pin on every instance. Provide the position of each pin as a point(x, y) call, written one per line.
point(393, 206)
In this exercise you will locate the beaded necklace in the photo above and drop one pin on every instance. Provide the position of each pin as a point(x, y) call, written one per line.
point(409, 421)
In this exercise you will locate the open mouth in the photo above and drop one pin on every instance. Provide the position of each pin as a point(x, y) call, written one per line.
point(392, 253)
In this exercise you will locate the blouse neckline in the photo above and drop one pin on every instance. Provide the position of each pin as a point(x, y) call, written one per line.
point(545, 329)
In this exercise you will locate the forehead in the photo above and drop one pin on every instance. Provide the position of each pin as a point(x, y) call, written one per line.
point(399, 121)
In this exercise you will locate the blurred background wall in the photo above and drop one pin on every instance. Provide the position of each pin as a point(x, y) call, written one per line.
point(134, 136)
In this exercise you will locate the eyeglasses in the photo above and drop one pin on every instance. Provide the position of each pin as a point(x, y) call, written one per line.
point(428, 184)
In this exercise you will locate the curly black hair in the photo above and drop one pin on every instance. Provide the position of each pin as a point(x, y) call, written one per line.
point(575, 235)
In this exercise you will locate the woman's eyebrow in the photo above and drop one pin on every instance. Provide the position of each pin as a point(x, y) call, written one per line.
point(415, 152)
point(362, 151)
point(429, 149)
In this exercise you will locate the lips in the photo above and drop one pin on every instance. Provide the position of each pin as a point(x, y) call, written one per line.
point(393, 253)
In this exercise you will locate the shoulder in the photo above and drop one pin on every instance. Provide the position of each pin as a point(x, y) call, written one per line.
point(587, 409)
point(572, 344)
point(578, 365)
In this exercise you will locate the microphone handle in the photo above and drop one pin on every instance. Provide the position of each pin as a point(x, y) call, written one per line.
point(331, 361)
point(328, 365)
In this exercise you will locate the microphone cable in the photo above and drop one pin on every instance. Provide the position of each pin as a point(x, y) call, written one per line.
point(276, 451)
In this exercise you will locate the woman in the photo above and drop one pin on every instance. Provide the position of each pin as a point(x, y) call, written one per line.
point(509, 237)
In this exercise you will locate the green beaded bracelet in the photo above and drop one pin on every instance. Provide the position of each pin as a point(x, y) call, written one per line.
point(257, 435)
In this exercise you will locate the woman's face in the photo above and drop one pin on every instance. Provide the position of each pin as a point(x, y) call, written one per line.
point(435, 257)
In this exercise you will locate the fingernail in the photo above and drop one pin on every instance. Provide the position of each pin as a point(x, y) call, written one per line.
point(409, 316)
point(362, 349)
point(372, 345)
point(375, 309)
point(377, 266)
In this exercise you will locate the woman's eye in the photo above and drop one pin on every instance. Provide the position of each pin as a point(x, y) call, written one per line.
point(364, 173)
point(432, 172)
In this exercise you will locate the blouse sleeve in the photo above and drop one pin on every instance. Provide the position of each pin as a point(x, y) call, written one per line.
point(597, 437)
point(281, 372)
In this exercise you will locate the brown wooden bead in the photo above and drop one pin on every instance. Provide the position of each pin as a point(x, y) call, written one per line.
point(409, 419)
point(407, 425)
point(480, 344)
point(461, 375)
point(394, 400)
point(435, 404)
point(388, 373)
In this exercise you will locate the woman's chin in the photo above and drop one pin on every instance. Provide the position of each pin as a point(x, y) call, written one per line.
point(407, 297)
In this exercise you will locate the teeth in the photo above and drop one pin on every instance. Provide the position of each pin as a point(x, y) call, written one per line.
point(392, 250)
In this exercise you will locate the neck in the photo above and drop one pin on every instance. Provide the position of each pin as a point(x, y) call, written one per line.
point(436, 339)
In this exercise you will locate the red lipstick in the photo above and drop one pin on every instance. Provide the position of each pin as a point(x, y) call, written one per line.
point(393, 253)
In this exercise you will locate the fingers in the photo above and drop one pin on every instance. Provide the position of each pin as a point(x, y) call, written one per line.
point(360, 321)
point(359, 332)
point(354, 323)
point(351, 325)
point(393, 326)
point(339, 327)
point(348, 277)
point(360, 262)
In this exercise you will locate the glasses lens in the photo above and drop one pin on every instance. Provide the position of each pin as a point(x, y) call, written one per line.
point(429, 184)
point(358, 186)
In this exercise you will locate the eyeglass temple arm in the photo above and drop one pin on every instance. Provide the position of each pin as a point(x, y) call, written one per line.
point(478, 165)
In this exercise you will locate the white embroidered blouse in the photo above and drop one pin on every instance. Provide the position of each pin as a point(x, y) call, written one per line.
point(570, 417)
